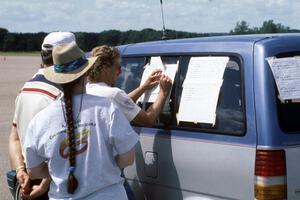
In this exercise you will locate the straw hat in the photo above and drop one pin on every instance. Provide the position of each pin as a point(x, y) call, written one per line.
point(69, 64)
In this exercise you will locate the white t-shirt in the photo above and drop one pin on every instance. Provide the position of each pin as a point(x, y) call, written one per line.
point(121, 99)
point(100, 130)
point(35, 95)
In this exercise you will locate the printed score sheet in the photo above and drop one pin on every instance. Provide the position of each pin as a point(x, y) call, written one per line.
point(286, 72)
point(201, 89)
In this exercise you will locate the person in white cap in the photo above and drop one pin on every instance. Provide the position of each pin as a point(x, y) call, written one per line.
point(35, 95)
point(89, 141)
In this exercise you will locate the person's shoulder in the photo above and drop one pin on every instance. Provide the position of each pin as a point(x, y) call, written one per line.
point(41, 86)
point(113, 90)
point(101, 89)
point(46, 115)
point(97, 100)
point(100, 105)
point(100, 102)
point(51, 109)
point(40, 78)
point(121, 95)
point(118, 92)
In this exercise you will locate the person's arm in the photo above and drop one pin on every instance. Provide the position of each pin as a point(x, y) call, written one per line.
point(152, 81)
point(126, 159)
point(37, 167)
point(148, 117)
point(123, 139)
point(39, 172)
point(15, 150)
point(17, 160)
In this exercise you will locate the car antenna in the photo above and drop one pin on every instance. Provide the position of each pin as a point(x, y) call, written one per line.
point(164, 36)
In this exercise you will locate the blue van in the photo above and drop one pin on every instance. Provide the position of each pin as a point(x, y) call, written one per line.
point(252, 151)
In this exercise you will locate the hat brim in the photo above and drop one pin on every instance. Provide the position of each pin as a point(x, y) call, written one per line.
point(63, 78)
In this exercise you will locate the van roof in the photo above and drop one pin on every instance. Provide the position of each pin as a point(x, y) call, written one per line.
point(180, 45)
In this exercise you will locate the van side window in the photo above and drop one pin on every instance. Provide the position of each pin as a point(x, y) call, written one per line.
point(230, 108)
point(132, 71)
point(130, 78)
point(165, 118)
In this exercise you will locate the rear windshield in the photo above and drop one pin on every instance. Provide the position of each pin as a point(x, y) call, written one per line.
point(288, 111)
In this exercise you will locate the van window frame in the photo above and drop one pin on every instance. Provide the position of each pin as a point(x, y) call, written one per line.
point(173, 125)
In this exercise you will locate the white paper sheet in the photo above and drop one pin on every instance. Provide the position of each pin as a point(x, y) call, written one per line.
point(201, 89)
point(205, 70)
point(286, 72)
point(167, 69)
point(199, 104)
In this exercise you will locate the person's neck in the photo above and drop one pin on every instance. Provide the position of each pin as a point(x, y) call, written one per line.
point(79, 87)
point(103, 80)
point(42, 66)
point(108, 83)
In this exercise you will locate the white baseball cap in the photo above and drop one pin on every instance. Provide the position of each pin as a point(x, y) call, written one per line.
point(56, 38)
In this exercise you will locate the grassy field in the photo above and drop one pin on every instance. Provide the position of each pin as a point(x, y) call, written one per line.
point(9, 53)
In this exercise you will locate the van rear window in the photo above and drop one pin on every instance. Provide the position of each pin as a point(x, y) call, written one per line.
point(288, 111)
point(288, 115)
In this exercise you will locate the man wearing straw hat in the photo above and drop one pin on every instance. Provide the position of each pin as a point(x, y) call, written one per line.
point(87, 143)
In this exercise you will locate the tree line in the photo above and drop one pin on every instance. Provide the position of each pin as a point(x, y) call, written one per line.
point(269, 26)
point(10, 41)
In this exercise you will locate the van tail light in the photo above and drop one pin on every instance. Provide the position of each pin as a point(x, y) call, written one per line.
point(270, 175)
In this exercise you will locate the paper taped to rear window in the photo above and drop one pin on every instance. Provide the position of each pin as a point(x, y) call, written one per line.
point(286, 72)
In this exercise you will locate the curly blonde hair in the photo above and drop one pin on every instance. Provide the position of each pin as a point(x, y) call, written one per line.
point(106, 57)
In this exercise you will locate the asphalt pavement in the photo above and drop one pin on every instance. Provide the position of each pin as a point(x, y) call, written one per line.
point(14, 71)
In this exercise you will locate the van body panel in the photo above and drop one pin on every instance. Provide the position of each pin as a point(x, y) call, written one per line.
point(293, 171)
point(189, 48)
point(243, 39)
point(201, 168)
point(147, 191)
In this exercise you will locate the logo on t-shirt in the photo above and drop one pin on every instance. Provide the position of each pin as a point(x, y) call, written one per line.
point(81, 141)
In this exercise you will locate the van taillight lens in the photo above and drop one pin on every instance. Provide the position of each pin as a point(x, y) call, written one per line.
point(270, 174)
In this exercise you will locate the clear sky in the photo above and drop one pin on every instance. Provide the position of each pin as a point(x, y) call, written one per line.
point(186, 15)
